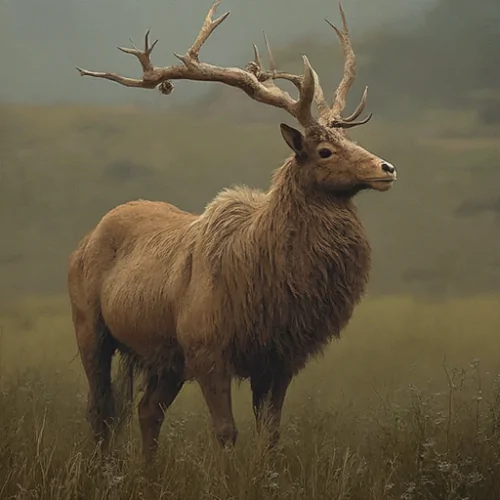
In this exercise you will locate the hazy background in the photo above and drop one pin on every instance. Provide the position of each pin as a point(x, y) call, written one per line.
point(48, 37)
point(71, 148)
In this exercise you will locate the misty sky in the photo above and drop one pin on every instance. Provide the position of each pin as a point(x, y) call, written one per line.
point(42, 40)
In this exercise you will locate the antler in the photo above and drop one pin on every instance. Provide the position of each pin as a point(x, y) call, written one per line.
point(256, 84)
point(267, 77)
point(332, 116)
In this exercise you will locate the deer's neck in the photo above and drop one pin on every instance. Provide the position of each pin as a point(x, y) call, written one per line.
point(301, 215)
point(292, 238)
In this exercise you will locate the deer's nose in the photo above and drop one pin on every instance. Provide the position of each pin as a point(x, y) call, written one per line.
point(387, 167)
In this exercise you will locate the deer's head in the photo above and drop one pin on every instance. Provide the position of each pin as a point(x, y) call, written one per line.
point(331, 162)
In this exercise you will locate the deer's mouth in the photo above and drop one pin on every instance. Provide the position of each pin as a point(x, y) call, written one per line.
point(381, 183)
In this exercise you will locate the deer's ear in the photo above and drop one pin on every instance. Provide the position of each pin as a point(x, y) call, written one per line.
point(293, 138)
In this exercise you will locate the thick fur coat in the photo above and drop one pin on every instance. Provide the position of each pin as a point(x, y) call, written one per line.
point(257, 277)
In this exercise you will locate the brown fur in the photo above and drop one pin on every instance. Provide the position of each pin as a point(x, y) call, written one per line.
point(251, 288)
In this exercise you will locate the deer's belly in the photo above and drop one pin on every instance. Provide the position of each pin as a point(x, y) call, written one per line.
point(137, 311)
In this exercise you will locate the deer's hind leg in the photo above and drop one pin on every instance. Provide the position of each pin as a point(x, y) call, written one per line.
point(96, 347)
point(161, 390)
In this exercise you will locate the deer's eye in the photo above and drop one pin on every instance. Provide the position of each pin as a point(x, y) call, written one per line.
point(324, 153)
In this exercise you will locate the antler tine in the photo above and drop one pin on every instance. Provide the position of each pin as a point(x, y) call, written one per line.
point(267, 77)
point(209, 25)
point(143, 56)
point(339, 100)
point(270, 56)
point(333, 117)
point(359, 109)
point(319, 98)
point(257, 58)
point(341, 123)
point(307, 93)
point(149, 80)
point(273, 73)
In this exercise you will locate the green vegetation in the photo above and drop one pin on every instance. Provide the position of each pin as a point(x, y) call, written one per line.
point(405, 406)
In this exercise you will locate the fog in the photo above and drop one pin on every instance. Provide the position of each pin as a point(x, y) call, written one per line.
point(43, 40)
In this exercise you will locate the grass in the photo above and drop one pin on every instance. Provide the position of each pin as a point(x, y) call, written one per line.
point(405, 406)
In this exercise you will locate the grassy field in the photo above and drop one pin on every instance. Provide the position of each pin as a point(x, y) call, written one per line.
point(405, 406)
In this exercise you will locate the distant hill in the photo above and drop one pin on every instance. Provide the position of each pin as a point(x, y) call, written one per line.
point(62, 168)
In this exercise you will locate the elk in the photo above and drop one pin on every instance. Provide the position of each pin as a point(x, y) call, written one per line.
point(253, 287)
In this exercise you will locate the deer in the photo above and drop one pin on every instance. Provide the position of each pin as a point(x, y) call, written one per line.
point(252, 288)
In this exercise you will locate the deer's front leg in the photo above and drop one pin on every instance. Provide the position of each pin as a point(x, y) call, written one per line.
point(268, 396)
point(216, 389)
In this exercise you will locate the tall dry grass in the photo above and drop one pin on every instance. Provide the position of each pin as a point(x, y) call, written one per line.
point(405, 406)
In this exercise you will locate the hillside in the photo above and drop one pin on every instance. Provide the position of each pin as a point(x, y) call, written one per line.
point(63, 167)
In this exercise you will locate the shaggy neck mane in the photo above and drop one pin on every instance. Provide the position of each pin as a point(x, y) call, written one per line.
point(290, 197)
point(287, 267)
point(302, 223)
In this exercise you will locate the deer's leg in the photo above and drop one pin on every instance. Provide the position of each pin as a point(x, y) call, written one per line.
point(216, 389)
point(96, 349)
point(161, 391)
point(268, 396)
